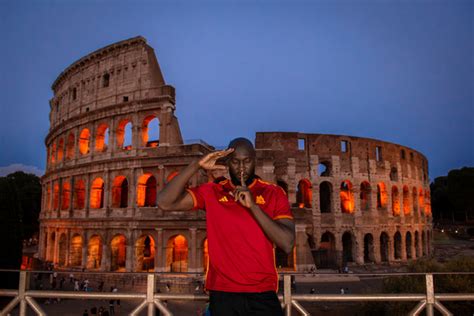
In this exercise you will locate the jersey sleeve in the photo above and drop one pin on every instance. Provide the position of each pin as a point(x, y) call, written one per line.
point(282, 209)
point(199, 196)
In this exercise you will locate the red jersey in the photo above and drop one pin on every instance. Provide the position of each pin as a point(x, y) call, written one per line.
point(241, 257)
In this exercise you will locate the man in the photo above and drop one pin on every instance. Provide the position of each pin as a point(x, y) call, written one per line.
point(245, 217)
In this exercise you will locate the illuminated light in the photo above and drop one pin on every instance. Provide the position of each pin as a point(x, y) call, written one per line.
point(56, 196)
point(102, 138)
point(53, 153)
point(177, 254)
point(301, 205)
point(150, 125)
point(456, 231)
point(406, 201)
point(120, 192)
point(94, 252)
point(381, 196)
point(118, 253)
point(65, 196)
point(395, 202)
point(304, 193)
point(145, 253)
point(61, 150)
point(70, 146)
point(75, 256)
point(146, 190)
point(442, 230)
point(97, 194)
point(84, 141)
point(347, 197)
point(79, 194)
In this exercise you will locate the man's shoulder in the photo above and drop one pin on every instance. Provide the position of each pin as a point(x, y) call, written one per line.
point(270, 186)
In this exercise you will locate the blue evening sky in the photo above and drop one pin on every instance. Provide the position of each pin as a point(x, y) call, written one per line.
point(399, 71)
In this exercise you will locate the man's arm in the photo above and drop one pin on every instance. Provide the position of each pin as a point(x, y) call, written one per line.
point(174, 197)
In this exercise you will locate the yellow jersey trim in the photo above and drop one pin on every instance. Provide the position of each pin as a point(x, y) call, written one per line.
point(193, 196)
point(283, 216)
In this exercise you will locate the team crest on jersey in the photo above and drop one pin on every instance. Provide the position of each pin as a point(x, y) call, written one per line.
point(260, 200)
point(223, 199)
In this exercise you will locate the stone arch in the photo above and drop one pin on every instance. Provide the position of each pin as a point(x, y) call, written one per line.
point(397, 245)
point(406, 201)
point(381, 196)
point(124, 134)
point(79, 194)
point(60, 150)
point(304, 193)
point(327, 250)
point(348, 243)
point(118, 251)
point(324, 169)
point(369, 248)
point(415, 201)
point(325, 193)
point(120, 192)
point(75, 252)
point(102, 138)
point(177, 254)
point(70, 146)
point(146, 190)
point(55, 195)
point(365, 196)
point(384, 246)
point(417, 244)
point(347, 197)
point(65, 195)
point(97, 194)
point(395, 201)
point(84, 138)
point(94, 252)
point(145, 253)
point(408, 243)
point(151, 131)
point(62, 251)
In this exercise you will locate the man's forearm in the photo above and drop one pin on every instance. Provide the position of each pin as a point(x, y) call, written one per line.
point(175, 188)
point(283, 236)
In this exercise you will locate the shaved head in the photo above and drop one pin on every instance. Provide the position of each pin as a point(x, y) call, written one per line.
point(242, 143)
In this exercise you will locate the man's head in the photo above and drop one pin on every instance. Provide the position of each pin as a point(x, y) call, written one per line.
point(241, 161)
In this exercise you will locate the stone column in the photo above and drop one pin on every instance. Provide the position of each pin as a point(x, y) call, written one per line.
point(68, 247)
point(106, 254)
point(192, 246)
point(359, 247)
point(71, 196)
point(291, 172)
point(339, 248)
point(391, 256)
point(377, 256)
point(413, 248)
point(56, 247)
point(303, 253)
point(159, 255)
point(403, 247)
point(84, 249)
point(112, 146)
point(88, 193)
point(107, 192)
point(129, 253)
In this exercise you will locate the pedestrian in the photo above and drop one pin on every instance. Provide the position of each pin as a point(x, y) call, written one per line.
point(76, 285)
point(71, 278)
point(342, 291)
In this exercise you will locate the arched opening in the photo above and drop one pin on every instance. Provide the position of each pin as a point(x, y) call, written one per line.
point(408, 245)
point(84, 141)
point(284, 261)
point(369, 248)
point(177, 254)
point(62, 250)
point(347, 244)
point(395, 201)
point(124, 135)
point(75, 254)
point(397, 245)
point(427, 203)
point(304, 194)
point(60, 149)
point(65, 195)
point(205, 256)
point(70, 146)
point(406, 201)
point(365, 197)
point(151, 131)
point(282, 184)
point(393, 174)
point(325, 192)
point(102, 138)
point(326, 254)
point(97, 194)
point(51, 242)
point(145, 253)
point(52, 157)
point(415, 201)
point(384, 247)
point(79, 194)
point(347, 197)
point(381, 196)
point(118, 248)
point(421, 201)
point(417, 244)
point(120, 192)
point(146, 190)
point(56, 196)
point(94, 252)
point(324, 169)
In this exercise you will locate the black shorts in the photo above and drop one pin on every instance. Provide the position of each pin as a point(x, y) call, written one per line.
point(244, 304)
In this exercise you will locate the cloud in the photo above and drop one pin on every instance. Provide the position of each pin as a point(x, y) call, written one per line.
point(4, 171)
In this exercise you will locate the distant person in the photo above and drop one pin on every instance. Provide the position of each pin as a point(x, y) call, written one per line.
point(342, 291)
point(245, 218)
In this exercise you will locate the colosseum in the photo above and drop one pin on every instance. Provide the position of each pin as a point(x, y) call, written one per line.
point(114, 142)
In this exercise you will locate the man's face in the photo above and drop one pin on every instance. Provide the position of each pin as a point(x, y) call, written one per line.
point(241, 161)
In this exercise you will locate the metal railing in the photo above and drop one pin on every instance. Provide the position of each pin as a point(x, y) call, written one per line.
point(151, 299)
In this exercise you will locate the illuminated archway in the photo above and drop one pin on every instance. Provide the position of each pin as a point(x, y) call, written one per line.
point(421, 201)
point(75, 252)
point(52, 157)
point(120, 192)
point(124, 135)
point(347, 197)
point(365, 196)
point(384, 246)
point(79, 194)
point(65, 195)
point(406, 201)
point(97, 194)
point(146, 190)
point(118, 248)
point(145, 253)
point(177, 254)
point(94, 252)
point(325, 192)
point(62, 250)
point(397, 245)
point(60, 149)
point(70, 146)
point(151, 131)
point(84, 138)
point(381, 196)
point(395, 201)
point(304, 193)
point(369, 248)
point(102, 138)
point(55, 196)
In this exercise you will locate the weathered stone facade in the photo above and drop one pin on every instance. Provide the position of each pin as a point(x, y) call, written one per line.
point(104, 170)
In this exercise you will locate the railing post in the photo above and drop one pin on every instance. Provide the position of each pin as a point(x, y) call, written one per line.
point(430, 298)
point(287, 293)
point(150, 292)
point(21, 292)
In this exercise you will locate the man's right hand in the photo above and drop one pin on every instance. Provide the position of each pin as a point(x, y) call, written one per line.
point(208, 162)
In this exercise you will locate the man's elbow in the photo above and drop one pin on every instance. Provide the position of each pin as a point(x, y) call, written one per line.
point(289, 245)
